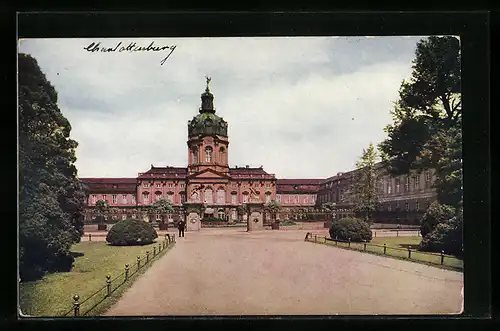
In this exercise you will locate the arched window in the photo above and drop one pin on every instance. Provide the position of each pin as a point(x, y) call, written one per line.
point(157, 195)
point(145, 197)
point(221, 214)
point(170, 197)
point(221, 196)
point(222, 155)
point(268, 197)
point(195, 155)
point(208, 195)
point(233, 197)
point(208, 154)
point(245, 197)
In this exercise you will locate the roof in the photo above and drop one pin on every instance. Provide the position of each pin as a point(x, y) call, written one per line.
point(247, 172)
point(164, 172)
point(110, 185)
point(298, 185)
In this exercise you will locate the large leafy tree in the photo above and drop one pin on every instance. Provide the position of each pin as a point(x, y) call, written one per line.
point(274, 207)
point(102, 208)
point(426, 132)
point(162, 206)
point(51, 198)
point(364, 187)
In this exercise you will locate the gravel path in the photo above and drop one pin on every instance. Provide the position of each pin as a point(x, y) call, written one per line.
point(232, 272)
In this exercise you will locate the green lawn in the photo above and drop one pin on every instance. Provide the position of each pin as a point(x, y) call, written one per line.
point(52, 295)
point(397, 247)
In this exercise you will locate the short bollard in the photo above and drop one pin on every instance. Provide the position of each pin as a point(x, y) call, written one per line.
point(385, 248)
point(147, 256)
point(76, 305)
point(442, 257)
point(159, 248)
point(138, 262)
point(349, 242)
point(375, 232)
point(364, 247)
point(336, 241)
point(409, 252)
point(154, 251)
point(315, 238)
point(90, 237)
point(126, 271)
point(397, 233)
point(325, 239)
point(108, 284)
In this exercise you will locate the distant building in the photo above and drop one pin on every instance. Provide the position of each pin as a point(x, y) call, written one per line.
point(209, 180)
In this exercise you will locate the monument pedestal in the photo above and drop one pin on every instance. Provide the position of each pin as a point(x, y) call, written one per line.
point(255, 220)
point(193, 216)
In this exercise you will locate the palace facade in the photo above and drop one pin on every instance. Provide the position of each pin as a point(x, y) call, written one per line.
point(210, 182)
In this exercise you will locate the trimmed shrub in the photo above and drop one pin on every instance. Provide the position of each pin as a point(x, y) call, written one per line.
point(447, 237)
point(131, 232)
point(354, 228)
point(435, 214)
point(213, 219)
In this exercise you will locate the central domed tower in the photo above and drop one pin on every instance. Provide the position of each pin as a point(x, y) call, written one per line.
point(207, 138)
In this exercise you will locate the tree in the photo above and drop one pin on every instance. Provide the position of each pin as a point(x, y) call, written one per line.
point(274, 207)
point(365, 183)
point(102, 208)
point(426, 132)
point(162, 206)
point(243, 209)
point(51, 198)
point(435, 214)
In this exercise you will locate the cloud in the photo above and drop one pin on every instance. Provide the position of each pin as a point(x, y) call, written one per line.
point(301, 107)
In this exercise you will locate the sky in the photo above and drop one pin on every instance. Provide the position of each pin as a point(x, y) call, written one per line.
point(299, 107)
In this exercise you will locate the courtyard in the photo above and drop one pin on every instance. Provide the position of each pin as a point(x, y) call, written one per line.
point(232, 272)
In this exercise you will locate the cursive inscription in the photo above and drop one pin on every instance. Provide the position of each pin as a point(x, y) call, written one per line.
point(131, 47)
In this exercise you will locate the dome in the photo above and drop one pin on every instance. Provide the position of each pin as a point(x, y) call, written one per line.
point(206, 124)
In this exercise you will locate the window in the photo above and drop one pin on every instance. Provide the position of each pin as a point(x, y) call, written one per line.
point(297, 199)
point(208, 195)
point(397, 180)
point(234, 214)
point(389, 187)
point(124, 198)
point(417, 182)
point(170, 197)
point(233, 198)
point(145, 198)
point(182, 185)
point(407, 206)
point(208, 154)
point(268, 185)
point(170, 185)
point(94, 198)
point(389, 207)
point(133, 198)
point(221, 196)
point(158, 196)
point(407, 185)
point(417, 206)
point(397, 204)
point(427, 176)
point(113, 197)
point(195, 155)
point(104, 197)
point(183, 197)
point(158, 217)
point(278, 197)
point(268, 198)
point(245, 197)
point(145, 185)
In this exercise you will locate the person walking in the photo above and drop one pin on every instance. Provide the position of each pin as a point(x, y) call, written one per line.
point(181, 226)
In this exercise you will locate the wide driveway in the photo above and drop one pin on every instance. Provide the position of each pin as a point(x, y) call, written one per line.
point(232, 272)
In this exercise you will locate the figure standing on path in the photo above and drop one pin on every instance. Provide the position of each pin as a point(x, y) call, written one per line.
point(181, 226)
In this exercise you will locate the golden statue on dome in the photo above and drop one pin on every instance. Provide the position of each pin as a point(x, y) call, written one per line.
point(208, 82)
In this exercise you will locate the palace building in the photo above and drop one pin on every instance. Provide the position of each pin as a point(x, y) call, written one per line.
point(209, 187)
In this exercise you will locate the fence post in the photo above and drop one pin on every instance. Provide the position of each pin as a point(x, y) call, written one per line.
point(442, 257)
point(409, 252)
point(126, 271)
point(385, 247)
point(76, 305)
point(364, 246)
point(159, 248)
point(375, 233)
point(154, 251)
point(397, 233)
point(147, 256)
point(315, 238)
point(138, 262)
point(90, 236)
point(108, 284)
point(349, 242)
point(336, 241)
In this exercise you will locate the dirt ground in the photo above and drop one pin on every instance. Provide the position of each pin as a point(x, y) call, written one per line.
point(232, 272)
